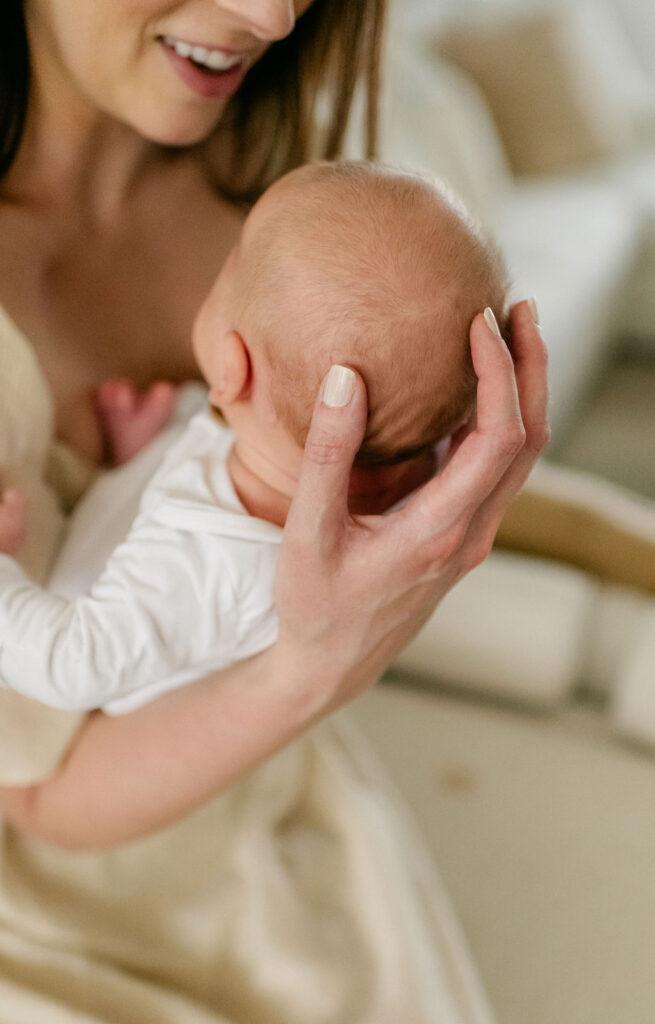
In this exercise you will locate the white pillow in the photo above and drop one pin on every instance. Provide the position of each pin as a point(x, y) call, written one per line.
point(638, 17)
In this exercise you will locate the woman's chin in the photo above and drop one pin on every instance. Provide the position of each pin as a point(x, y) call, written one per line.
point(178, 132)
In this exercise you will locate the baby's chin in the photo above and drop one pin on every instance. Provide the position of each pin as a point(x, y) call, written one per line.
point(375, 489)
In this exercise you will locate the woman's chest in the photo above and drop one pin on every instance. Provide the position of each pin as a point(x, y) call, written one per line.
point(122, 301)
point(113, 302)
point(119, 306)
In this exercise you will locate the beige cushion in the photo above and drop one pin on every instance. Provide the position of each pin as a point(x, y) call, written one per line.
point(633, 702)
point(584, 521)
point(545, 77)
point(528, 626)
point(514, 629)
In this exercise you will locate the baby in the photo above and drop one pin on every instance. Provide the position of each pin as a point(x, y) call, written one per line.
point(336, 264)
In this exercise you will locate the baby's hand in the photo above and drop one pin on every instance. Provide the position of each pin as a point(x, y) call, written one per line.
point(129, 418)
point(12, 521)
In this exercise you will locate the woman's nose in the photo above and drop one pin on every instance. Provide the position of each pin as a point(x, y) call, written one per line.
point(266, 19)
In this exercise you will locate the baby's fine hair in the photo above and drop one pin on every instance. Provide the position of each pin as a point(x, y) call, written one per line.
point(382, 270)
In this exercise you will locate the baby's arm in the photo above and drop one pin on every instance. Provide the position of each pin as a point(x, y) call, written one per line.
point(139, 625)
point(130, 419)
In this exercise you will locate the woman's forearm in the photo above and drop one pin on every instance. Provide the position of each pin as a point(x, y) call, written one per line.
point(129, 775)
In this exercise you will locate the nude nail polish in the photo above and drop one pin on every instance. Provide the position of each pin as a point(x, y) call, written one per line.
point(492, 323)
point(532, 306)
point(339, 386)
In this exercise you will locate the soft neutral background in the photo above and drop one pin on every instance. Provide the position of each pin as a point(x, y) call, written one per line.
point(521, 724)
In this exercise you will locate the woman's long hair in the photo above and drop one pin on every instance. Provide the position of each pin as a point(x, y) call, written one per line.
point(293, 105)
point(14, 80)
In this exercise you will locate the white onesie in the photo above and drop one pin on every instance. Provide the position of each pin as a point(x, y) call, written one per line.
point(188, 591)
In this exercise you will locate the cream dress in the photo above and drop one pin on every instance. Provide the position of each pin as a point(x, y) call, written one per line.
point(299, 896)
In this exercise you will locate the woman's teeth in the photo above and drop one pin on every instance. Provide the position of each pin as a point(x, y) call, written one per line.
point(213, 60)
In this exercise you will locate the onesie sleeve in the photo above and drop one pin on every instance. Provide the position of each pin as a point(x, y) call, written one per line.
point(162, 604)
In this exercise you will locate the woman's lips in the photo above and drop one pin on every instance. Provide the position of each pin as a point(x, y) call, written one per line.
point(205, 81)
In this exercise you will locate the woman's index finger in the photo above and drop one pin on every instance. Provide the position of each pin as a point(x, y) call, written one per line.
point(335, 435)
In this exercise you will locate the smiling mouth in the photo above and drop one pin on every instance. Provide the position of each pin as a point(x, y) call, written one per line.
point(211, 61)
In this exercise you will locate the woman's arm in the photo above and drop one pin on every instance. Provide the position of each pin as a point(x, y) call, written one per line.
point(351, 592)
point(129, 775)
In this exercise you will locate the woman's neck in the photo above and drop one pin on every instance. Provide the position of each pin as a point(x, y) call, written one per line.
point(72, 154)
point(90, 164)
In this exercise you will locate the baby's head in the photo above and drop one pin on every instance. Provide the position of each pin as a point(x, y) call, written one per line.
point(365, 266)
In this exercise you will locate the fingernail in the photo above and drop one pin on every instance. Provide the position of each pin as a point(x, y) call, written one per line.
point(532, 306)
point(339, 386)
point(492, 323)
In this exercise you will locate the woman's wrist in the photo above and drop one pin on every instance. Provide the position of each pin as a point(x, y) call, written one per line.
point(299, 685)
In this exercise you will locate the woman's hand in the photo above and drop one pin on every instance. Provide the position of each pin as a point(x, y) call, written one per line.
point(353, 590)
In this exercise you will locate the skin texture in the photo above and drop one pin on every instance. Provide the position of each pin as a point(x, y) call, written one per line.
point(113, 243)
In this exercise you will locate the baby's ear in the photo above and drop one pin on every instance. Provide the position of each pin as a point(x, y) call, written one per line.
point(233, 376)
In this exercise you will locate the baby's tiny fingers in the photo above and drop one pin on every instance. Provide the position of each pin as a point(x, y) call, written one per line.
point(162, 396)
point(12, 520)
point(116, 395)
